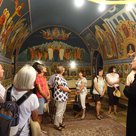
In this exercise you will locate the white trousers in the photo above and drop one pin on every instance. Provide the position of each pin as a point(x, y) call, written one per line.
point(60, 109)
point(83, 99)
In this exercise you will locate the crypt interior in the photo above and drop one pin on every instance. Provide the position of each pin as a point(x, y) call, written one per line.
point(58, 32)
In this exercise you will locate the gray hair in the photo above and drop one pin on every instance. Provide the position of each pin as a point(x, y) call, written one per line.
point(59, 69)
point(25, 78)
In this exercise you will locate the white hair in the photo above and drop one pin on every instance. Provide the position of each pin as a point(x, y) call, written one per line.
point(25, 78)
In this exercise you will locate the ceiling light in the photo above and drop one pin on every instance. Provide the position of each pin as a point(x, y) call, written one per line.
point(79, 3)
point(73, 64)
point(129, 6)
point(110, 2)
point(102, 7)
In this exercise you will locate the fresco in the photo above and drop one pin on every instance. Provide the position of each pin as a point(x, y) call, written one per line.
point(1, 2)
point(54, 51)
point(54, 44)
point(122, 25)
point(105, 39)
point(115, 33)
point(90, 39)
point(126, 34)
point(55, 33)
point(13, 24)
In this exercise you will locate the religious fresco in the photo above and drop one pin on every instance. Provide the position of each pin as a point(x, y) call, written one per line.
point(90, 39)
point(122, 25)
point(1, 2)
point(126, 38)
point(14, 20)
point(8, 74)
point(115, 33)
point(105, 39)
point(55, 51)
point(55, 33)
point(54, 44)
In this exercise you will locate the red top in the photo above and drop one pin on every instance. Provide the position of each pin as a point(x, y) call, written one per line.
point(40, 80)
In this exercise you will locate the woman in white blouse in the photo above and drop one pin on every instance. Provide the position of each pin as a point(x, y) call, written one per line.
point(99, 91)
point(81, 86)
point(2, 89)
point(112, 79)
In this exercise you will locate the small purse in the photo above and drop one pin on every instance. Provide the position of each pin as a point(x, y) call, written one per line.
point(77, 104)
point(117, 93)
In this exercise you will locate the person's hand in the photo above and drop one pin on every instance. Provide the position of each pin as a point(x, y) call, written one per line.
point(61, 87)
point(102, 94)
point(69, 91)
point(48, 98)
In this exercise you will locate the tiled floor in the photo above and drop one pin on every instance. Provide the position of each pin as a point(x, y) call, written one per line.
point(111, 125)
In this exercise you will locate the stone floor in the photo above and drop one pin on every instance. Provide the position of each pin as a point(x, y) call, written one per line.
point(110, 125)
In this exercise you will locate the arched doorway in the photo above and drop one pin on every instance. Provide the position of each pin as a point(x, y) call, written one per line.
point(97, 62)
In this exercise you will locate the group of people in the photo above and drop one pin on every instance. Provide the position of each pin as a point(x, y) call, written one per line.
point(100, 85)
point(33, 77)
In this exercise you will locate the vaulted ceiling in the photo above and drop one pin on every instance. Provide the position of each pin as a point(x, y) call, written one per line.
point(20, 19)
point(63, 13)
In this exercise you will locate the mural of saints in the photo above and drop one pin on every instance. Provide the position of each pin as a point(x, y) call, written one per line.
point(103, 42)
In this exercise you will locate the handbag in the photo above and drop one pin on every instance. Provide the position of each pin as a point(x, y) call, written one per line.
point(35, 129)
point(77, 104)
point(117, 93)
point(46, 107)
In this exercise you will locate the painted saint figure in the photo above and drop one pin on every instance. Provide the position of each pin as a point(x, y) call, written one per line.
point(50, 51)
point(61, 52)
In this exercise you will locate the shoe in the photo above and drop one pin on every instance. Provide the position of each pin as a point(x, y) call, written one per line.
point(98, 117)
point(101, 116)
point(44, 132)
point(115, 113)
point(58, 128)
point(62, 125)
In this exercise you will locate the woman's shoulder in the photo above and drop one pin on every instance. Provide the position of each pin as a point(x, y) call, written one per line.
point(33, 95)
point(108, 74)
point(84, 79)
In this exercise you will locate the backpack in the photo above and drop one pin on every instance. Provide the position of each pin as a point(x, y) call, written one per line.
point(9, 114)
point(92, 86)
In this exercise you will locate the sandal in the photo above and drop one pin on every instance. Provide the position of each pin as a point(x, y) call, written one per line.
point(101, 116)
point(62, 125)
point(98, 117)
point(58, 128)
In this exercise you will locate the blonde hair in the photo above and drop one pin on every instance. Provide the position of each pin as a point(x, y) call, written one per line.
point(25, 78)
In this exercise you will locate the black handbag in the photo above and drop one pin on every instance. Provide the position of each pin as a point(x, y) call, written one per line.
point(77, 104)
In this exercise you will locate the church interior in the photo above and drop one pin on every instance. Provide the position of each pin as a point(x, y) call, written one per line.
point(81, 35)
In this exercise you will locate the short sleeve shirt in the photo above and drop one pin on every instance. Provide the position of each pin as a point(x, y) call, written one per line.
point(29, 105)
point(100, 83)
point(40, 80)
point(60, 95)
point(113, 78)
point(2, 93)
point(79, 82)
